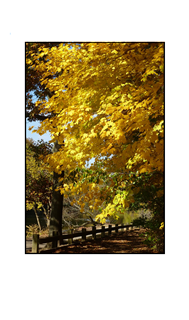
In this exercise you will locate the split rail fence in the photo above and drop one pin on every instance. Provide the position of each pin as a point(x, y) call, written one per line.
point(57, 240)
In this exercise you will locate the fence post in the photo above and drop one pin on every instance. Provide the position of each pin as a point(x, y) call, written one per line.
point(35, 243)
point(94, 232)
point(83, 233)
point(103, 232)
point(116, 230)
point(54, 242)
point(59, 242)
point(122, 228)
point(110, 229)
point(70, 241)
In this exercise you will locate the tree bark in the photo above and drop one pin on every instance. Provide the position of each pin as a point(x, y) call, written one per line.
point(37, 218)
point(57, 201)
point(47, 215)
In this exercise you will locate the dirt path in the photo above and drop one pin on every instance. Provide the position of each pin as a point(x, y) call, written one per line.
point(127, 242)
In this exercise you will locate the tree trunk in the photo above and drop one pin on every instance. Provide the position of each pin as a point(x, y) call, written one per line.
point(57, 201)
point(47, 215)
point(37, 218)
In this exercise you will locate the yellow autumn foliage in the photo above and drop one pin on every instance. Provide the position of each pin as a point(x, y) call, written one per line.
point(105, 93)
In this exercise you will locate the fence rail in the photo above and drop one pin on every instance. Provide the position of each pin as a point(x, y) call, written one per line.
point(57, 240)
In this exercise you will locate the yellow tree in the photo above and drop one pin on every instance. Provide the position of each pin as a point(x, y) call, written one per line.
point(108, 104)
point(38, 179)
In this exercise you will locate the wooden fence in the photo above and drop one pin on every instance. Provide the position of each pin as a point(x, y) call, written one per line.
point(57, 240)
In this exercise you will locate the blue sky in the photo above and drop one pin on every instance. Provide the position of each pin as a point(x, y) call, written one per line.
point(35, 136)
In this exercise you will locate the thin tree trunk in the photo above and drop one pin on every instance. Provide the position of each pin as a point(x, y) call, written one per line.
point(37, 218)
point(47, 216)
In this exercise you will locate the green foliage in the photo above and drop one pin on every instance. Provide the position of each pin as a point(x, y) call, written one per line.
point(154, 235)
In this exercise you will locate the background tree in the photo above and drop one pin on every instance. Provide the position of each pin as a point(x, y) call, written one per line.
point(33, 113)
point(38, 179)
